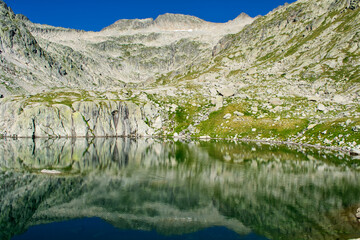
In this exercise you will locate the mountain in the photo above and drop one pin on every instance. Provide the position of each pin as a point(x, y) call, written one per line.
point(290, 75)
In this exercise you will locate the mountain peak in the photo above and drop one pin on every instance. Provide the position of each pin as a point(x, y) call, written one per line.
point(164, 21)
point(127, 24)
point(243, 16)
point(180, 18)
point(178, 21)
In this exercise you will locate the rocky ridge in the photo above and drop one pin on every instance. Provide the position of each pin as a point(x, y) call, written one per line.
point(290, 75)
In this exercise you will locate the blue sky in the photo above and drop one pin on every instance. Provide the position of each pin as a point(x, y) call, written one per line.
point(97, 14)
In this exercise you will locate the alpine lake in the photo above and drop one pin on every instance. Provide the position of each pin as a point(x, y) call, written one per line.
point(123, 188)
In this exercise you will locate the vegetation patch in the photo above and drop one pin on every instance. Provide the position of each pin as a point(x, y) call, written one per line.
point(334, 132)
point(65, 98)
point(249, 126)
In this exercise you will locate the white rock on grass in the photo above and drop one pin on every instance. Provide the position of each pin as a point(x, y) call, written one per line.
point(311, 126)
point(226, 92)
point(239, 114)
point(321, 107)
point(204, 137)
point(356, 128)
point(355, 151)
point(276, 101)
point(314, 99)
point(227, 116)
point(254, 109)
point(46, 171)
point(173, 107)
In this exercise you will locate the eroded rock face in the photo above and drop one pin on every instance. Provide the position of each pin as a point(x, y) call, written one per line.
point(81, 119)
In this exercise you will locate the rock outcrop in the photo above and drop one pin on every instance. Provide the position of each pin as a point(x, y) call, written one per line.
point(80, 119)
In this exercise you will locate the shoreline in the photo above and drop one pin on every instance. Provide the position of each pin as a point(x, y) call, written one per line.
point(351, 152)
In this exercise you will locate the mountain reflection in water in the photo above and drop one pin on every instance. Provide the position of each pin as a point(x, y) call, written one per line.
point(177, 188)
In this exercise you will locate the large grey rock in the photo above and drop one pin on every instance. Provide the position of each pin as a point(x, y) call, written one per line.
point(321, 108)
point(84, 119)
point(340, 99)
point(226, 92)
point(276, 101)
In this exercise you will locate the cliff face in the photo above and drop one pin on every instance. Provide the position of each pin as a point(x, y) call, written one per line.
point(26, 118)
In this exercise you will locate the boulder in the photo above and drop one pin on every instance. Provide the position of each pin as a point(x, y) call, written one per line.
point(46, 171)
point(227, 116)
point(204, 137)
point(226, 92)
point(356, 128)
point(239, 114)
point(254, 109)
point(355, 151)
point(276, 101)
point(311, 126)
point(321, 107)
point(314, 99)
point(173, 107)
point(340, 99)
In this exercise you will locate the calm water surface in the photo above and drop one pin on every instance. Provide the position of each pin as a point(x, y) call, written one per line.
point(154, 189)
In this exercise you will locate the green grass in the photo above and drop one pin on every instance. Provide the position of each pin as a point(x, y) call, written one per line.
point(331, 129)
point(51, 98)
point(217, 126)
point(184, 116)
point(235, 73)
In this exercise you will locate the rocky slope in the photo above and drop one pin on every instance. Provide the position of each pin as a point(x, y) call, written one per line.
point(290, 75)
